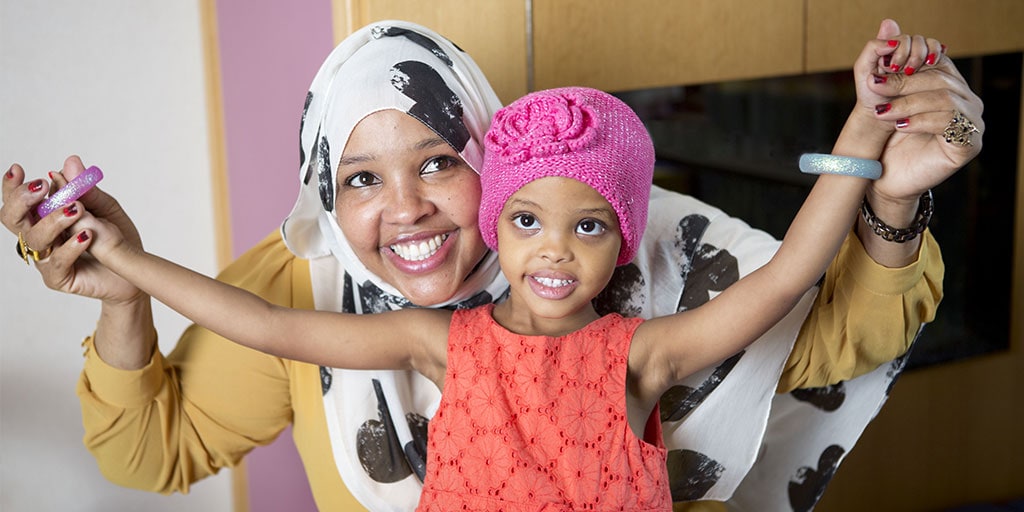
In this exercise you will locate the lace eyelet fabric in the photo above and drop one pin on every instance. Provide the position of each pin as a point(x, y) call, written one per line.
point(539, 423)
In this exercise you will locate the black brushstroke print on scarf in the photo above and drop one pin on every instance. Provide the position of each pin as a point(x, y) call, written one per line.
point(323, 164)
point(436, 106)
point(678, 401)
point(897, 365)
point(377, 445)
point(302, 124)
point(311, 164)
point(625, 293)
point(827, 398)
point(374, 300)
point(420, 40)
point(707, 268)
point(416, 450)
point(326, 378)
point(703, 268)
point(691, 475)
point(807, 486)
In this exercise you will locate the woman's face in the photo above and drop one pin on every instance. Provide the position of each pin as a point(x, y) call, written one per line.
point(407, 203)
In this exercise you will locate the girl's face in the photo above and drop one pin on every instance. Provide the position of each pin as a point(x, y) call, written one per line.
point(407, 203)
point(558, 241)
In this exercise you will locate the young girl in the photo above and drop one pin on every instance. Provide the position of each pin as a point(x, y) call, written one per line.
point(544, 401)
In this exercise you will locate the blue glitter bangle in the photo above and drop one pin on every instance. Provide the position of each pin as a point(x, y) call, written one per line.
point(817, 163)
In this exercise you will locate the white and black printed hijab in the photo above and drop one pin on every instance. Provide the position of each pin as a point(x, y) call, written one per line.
point(729, 436)
point(378, 419)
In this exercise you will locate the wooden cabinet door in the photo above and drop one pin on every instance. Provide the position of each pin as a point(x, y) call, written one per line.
point(615, 45)
point(837, 29)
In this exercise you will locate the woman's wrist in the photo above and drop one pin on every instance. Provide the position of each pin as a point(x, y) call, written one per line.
point(125, 335)
point(894, 247)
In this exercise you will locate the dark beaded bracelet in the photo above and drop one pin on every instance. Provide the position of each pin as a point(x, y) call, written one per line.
point(925, 209)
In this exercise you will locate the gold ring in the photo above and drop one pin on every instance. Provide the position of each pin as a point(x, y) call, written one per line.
point(959, 130)
point(25, 252)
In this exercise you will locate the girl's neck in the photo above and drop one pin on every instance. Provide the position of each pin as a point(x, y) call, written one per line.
point(518, 317)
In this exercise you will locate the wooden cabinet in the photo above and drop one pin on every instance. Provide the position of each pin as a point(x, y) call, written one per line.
point(837, 29)
point(615, 45)
point(524, 45)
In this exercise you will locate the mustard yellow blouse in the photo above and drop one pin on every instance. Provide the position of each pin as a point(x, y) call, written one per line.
point(210, 401)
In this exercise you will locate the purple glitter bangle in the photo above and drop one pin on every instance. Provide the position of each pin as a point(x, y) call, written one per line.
point(71, 192)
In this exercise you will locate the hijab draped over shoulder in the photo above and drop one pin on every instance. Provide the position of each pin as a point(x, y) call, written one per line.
point(378, 420)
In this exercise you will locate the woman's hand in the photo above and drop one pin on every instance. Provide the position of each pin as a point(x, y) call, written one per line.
point(125, 337)
point(908, 92)
point(916, 90)
point(66, 268)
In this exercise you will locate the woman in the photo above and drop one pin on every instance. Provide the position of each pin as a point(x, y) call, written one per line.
point(393, 224)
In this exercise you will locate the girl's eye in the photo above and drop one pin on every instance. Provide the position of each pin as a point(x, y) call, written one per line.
point(438, 163)
point(590, 227)
point(361, 179)
point(524, 221)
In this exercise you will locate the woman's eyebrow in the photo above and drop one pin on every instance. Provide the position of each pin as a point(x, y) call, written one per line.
point(355, 159)
point(430, 142)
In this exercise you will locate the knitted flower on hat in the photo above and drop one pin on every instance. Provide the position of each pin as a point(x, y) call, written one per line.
point(573, 132)
point(547, 125)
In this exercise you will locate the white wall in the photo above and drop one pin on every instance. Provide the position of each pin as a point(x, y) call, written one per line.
point(121, 83)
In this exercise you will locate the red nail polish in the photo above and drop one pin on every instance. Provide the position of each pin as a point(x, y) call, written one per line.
point(894, 68)
point(909, 70)
point(902, 123)
point(82, 237)
point(883, 108)
point(930, 60)
point(893, 43)
point(886, 60)
point(70, 210)
point(35, 186)
point(880, 79)
point(10, 174)
point(943, 48)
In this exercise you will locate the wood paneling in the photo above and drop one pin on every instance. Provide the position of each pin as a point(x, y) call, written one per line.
point(615, 45)
point(492, 32)
point(837, 29)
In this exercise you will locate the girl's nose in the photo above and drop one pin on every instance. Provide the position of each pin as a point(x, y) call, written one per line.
point(555, 248)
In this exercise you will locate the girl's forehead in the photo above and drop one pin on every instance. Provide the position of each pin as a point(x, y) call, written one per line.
point(557, 193)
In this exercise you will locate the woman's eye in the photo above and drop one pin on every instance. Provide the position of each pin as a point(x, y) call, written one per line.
point(438, 163)
point(590, 227)
point(524, 221)
point(361, 179)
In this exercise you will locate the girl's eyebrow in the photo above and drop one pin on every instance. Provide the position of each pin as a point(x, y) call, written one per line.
point(598, 211)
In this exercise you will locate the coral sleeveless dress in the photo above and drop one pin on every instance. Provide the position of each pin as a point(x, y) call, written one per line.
point(535, 423)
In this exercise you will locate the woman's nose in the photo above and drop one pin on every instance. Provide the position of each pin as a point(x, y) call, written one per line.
point(406, 203)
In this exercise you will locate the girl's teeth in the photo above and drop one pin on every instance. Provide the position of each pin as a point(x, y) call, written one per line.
point(420, 251)
point(553, 283)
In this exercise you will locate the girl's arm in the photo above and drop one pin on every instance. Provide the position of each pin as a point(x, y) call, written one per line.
point(750, 307)
point(405, 339)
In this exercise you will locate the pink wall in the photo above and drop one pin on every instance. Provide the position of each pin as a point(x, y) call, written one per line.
point(270, 50)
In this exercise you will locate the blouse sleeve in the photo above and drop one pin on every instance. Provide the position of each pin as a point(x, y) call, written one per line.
point(865, 315)
point(202, 407)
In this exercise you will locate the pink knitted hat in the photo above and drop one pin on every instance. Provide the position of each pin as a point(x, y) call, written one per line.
point(572, 132)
